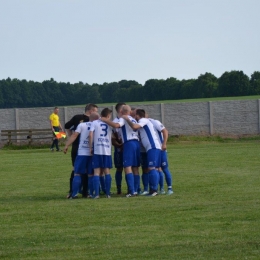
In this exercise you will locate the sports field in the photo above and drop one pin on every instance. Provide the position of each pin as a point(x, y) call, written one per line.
point(214, 213)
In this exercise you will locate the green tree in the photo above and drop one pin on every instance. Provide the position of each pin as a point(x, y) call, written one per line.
point(89, 94)
point(234, 83)
point(187, 89)
point(205, 86)
point(53, 91)
point(2, 103)
point(153, 89)
point(171, 89)
point(108, 92)
point(255, 83)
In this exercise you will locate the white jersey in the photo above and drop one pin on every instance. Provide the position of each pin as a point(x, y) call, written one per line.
point(126, 132)
point(101, 137)
point(148, 135)
point(83, 129)
point(158, 127)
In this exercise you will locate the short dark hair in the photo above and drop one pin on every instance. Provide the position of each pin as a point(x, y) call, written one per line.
point(140, 112)
point(105, 112)
point(119, 105)
point(90, 106)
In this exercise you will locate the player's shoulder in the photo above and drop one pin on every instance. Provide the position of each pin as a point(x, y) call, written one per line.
point(155, 121)
point(96, 122)
point(143, 119)
point(80, 118)
point(116, 119)
point(132, 119)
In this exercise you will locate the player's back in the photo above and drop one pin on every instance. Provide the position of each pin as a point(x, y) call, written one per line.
point(148, 135)
point(158, 127)
point(126, 132)
point(83, 129)
point(102, 137)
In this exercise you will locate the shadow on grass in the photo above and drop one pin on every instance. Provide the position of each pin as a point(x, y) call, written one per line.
point(55, 197)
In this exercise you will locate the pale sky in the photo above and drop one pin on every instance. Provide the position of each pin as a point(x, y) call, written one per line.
point(97, 41)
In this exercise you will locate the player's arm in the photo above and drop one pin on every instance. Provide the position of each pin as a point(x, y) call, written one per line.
point(165, 138)
point(69, 125)
point(109, 122)
point(133, 125)
point(70, 141)
point(69, 132)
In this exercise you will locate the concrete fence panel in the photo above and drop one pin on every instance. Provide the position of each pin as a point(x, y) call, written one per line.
point(237, 117)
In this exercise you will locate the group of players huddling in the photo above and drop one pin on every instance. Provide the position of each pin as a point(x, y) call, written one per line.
point(137, 140)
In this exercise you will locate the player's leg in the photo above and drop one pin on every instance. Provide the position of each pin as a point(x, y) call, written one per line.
point(161, 181)
point(107, 165)
point(167, 173)
point(108, 181)
point(102, 183)
point(80, 169)
point(90, 173)
point(74, 151)
point(96, 182)
point(118, 162)
point(127, 162)
point(154, 159)
point(84, 179)
point(137, 188)
point(97, 166)
point(135, 166)
point(145, 176)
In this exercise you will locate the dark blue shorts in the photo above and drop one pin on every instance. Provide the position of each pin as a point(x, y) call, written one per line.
point(83, 164)
point(164, 160)
point(101, 161)
point(154, 158)
point(131, 154)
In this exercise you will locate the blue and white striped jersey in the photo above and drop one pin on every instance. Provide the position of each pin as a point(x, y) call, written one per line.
point(158, 127)
point(148, 135)
point(126, 132)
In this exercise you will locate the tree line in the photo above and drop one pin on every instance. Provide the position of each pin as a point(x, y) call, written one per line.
point(15, 93)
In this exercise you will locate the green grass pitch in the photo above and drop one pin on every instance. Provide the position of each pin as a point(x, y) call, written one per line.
point(213, 214)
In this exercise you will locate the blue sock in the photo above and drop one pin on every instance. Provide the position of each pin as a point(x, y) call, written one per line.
point(108, 180)
point(90, 185)
point(136, 182)
point(96, 184)
point(76, 185)
point(130, 182)
point(153, 179)
point(145, 180)
point(168, 177)
point(102, 183)
point(161, 180)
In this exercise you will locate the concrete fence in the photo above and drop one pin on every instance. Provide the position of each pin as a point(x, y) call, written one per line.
point(239, 117)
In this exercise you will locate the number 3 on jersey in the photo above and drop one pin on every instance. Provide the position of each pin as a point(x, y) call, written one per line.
point(104, 129)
